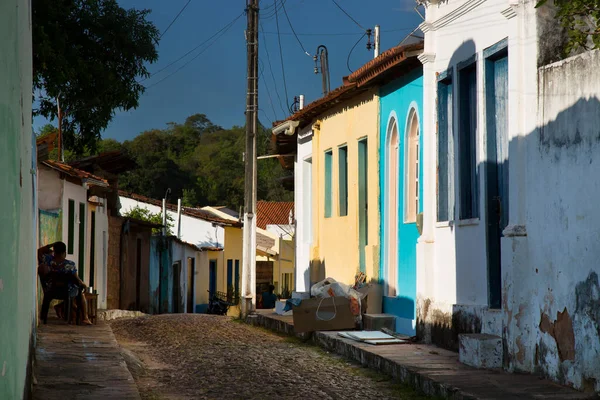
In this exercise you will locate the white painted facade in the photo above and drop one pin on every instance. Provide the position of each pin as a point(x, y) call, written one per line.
point(303, 208)
point(452, 260)
point(55, 193)
point(549, 319)
point(193, 230)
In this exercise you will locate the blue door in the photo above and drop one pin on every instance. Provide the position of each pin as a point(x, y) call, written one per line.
point(212, 276)
point(496, 169)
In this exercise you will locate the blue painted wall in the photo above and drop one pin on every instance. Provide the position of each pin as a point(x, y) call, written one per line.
point(397, 98)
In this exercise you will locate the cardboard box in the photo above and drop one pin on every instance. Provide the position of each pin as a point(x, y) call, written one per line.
point(373, 302)
point(323, 314)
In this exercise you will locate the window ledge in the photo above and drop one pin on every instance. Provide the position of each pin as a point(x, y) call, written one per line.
point(468, 222)
point(444, 224)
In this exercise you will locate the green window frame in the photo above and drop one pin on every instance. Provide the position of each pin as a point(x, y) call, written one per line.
point(71, 228)
point(328, 182)
point(343, 180)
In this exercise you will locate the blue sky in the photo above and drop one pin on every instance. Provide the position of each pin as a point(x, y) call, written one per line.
point(214, 82)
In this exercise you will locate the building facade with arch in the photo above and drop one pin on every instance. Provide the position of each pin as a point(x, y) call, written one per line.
point(400, 180)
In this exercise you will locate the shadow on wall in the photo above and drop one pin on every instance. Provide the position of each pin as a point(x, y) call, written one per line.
point(549, 285)
point(551, 297)
point(442, 327)
point(318, 272)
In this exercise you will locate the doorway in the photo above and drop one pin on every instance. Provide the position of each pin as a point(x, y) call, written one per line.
point(363, 206)
point(191, 284)
point(177, 308)
point(212, 277)
point(496, 90)
point(93, 249)
point(391, 207)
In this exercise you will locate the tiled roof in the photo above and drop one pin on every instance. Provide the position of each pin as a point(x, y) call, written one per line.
point(193, 246)
point(383, 63)
point(191, 212)
point(389, 65)
point(273, 213)
point(114, 162)
point(76, 173)
point(352, 83)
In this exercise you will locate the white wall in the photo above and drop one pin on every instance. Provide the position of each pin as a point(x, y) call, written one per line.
point(452, 264)
point(101, 251)
point(553, 317)
point(181, 253)
point(193, 230)
point(50, 188)
point(302, 209)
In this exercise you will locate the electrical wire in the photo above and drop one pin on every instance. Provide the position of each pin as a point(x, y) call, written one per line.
point(337, 34)
point(193, 58)
point(281, 57)
point(192, 50)
point(266, 47)
point(294, 32)
point(262, 75)
point(348, 15)
point(174, 19)
point(351, 50)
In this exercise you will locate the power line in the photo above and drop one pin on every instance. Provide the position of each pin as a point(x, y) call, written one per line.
point(281, 57)
point(174, 19)
point(351, 50)
point(292, 28)
point(193, 58)
point(262, 75)
point(336, 34)
point(194, 49)
point(266, 47)
point(348, 15)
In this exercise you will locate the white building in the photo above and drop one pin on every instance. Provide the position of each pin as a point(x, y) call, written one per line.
point(303, 208)
point(72, 207)
point(509, 242)
point(197, 227)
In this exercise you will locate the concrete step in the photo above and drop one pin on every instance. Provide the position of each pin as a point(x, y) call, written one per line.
point(480, 350)
point(491, 322)
point(376, 322)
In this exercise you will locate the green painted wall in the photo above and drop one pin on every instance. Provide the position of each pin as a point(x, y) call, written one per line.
point(17, 222)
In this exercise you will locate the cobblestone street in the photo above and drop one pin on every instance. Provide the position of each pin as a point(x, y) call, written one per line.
point(192, 356)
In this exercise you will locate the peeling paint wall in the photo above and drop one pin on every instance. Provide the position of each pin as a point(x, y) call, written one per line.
point(552, 288)
point(17, 221)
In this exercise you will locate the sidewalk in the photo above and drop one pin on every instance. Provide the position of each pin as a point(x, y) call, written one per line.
point(435, 371)
point(80, 362)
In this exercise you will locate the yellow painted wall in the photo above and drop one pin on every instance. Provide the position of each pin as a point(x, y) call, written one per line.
point(202, 273)
point(335, 240)
point(284, 264)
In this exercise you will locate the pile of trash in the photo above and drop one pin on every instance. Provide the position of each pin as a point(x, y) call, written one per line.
point(331, 288)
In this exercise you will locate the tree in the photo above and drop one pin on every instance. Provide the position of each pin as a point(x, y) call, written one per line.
point(143, 214)
point(46, 129)
point(580, 19)
point(89, 54)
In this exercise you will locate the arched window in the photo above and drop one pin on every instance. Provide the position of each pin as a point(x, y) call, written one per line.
point(392, 207)
point(412, 178)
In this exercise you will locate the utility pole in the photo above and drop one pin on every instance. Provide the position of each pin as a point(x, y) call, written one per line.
point(60, 141)
point(248, 297)
point(376, 53)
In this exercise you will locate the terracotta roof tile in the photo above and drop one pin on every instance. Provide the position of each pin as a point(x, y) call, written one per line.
point(76, 173)
point(384, 62)
point(273, 213)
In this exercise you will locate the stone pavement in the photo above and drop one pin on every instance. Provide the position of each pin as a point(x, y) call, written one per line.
point(80, 362)
point(433, 370)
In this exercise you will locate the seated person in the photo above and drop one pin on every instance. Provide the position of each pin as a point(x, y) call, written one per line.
point(269, 298)
point(59, 273)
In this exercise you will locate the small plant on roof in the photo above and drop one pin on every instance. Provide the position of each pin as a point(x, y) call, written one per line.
point(143, 214)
